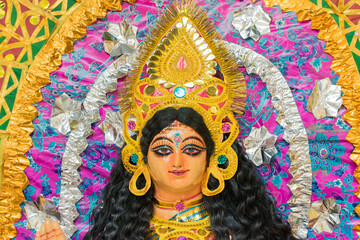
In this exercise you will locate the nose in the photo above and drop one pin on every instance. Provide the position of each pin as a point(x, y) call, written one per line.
point(177, 162)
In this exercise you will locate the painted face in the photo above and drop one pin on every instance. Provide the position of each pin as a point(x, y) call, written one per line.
point(177, 160)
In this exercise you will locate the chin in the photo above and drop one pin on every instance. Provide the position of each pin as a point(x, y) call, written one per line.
point(179, 184)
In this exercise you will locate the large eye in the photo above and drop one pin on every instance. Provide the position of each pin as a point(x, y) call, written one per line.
point(193, 150)
point(162, 150)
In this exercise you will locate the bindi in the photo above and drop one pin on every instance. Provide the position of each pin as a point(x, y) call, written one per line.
point(177, 138)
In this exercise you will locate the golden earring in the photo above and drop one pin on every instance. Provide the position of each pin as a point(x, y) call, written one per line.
point(132, 184)
point(214, 171)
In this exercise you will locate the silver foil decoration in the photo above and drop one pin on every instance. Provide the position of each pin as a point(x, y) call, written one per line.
point(260, 145)
point(70, 178)
point(112, 127)
point(295, 134)
point(120, 38)
point(252, 22)
point(37, 211)
point(325, 99)
point(65, 114)
point(77, 141)
point(324, 215)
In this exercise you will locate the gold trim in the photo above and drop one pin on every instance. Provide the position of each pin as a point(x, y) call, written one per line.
point(343, 64)
point(201, 223)
point(214, 171)
point(132, 184)
point(20, 127)
point(3, 137)
point(172, 229)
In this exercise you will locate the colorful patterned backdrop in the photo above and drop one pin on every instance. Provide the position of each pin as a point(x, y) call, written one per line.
point(346, 15)
point(292, 46)
point(25, 26)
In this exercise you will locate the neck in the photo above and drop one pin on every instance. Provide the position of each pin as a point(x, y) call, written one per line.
point(172, 196)
point(189, 199)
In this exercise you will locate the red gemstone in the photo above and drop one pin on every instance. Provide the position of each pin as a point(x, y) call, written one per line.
point(181, 64)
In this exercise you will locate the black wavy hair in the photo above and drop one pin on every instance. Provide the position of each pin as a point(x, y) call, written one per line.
point(242, 210)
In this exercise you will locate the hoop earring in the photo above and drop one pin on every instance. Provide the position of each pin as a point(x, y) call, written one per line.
point(132, 184)
point(214, 171)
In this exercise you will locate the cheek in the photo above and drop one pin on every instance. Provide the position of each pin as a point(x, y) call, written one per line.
point(198, 164)
point(158, 165)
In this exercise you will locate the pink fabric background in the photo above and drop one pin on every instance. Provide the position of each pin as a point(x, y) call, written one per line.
point(292, 46)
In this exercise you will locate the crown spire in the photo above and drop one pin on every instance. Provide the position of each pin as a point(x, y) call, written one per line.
point(183, 64)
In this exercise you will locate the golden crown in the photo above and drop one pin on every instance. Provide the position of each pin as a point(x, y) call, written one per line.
point(186, 66)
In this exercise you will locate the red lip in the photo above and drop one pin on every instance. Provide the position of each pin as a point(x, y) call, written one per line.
point(178, 172)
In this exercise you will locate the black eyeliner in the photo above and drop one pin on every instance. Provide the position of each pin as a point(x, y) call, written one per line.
point(162, 146)
point(193, 145)
point(157, 148)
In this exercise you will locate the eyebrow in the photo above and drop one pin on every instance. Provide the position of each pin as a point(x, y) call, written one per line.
point(161, 138)
point(193, 137)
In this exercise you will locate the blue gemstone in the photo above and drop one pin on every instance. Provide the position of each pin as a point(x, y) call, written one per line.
point(222, 159)
point(134, 158)
point(180, 92)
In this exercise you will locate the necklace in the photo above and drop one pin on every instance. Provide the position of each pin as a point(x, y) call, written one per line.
point(179, 205)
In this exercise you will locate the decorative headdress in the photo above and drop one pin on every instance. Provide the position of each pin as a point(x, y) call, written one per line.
point(187, 66)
